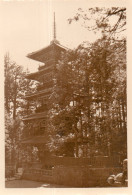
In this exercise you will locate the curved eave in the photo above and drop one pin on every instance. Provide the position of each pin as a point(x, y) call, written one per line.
point(40, 140)
point(35, 140)
point(34, 75)
point(35, 55)
point(44, 92)
point(35, 116)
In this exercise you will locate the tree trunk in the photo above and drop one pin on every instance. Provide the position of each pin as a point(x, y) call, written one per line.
point(14, 101)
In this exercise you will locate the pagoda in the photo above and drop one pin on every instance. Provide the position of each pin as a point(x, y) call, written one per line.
point(35, 123)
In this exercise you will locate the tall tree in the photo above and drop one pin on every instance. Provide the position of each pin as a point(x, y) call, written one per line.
point(16, 86)
point(88, 82)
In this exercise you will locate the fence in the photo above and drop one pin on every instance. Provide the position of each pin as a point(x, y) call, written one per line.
point(38, 174)
point(98, 161)
point(75, 172)
point(73, 176)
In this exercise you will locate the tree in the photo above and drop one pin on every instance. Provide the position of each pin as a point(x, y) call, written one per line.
point(107, 20)
point(14, 78)
point(16, 85)
point(88, 99)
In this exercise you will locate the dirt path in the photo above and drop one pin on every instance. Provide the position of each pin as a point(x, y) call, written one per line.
point(29, 184)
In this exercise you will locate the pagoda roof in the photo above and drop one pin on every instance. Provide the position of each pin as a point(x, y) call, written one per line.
point(35, 140)
point(37, 54)
point(43, 139)
point(34, 75)
point(35, 116)
point(42, 92)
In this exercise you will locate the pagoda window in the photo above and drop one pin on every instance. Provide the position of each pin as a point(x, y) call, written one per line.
point(32, 106)
point(42, 127)
point(41, 105)
point(45, 103)
point(36, 127)
point(29, 128)
point(73, 103)
point(39, 102)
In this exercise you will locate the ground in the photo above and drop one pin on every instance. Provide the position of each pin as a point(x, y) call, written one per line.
point(29, 184)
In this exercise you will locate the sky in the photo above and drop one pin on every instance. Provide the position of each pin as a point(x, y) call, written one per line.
point(27, 26)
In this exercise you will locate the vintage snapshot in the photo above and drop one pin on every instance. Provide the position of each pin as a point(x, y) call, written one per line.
point(65, 97)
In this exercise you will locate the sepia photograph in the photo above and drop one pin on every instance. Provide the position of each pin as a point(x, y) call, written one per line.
point(65, 94)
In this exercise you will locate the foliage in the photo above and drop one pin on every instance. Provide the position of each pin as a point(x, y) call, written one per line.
point(13, 132)
point(107, 20)
point(15, 107)
point(16, 86)
point(93, 78)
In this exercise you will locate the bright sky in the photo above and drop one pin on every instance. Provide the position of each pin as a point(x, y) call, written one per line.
point(27, 26)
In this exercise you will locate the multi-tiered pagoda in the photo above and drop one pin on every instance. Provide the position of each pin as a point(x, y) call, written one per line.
point(36, 122)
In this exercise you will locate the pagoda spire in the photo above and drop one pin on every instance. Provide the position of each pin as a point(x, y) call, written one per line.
point(54, 30)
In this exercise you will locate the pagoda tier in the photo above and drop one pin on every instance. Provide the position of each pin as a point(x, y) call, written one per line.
point(35, 140)
point(42, 93)
point(35, 125)
point(42, 70)
point(35, 116)
point(48, 54)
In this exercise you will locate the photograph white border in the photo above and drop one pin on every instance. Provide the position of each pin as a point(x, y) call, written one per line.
point(78, 191)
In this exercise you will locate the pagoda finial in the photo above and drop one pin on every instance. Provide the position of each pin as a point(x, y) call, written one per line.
point(54, 33)
point(54, 28)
